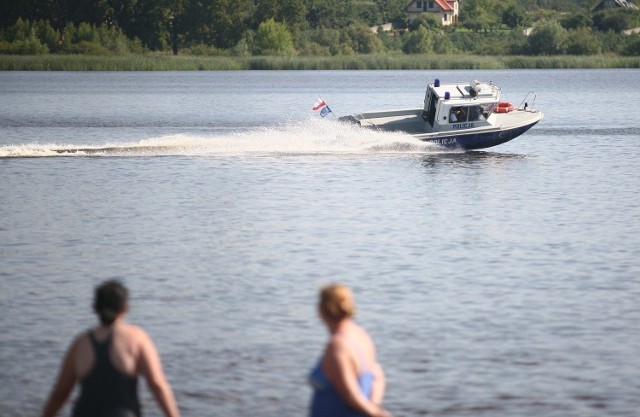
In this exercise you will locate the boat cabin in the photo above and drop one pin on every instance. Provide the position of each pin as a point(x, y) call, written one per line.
point(459, 106)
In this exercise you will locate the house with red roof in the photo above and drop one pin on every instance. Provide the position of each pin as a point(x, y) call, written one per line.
point(607, 4)
point(446, 9)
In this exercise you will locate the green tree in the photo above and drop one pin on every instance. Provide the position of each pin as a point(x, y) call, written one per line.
point(19, 31)
point(47, 35)
point(480, 15)
point(392, 11)
point(609, 40)
point(391, 41)
point(547, 38)
point(32, 10)
point(22, 39)
point(11, 11)
point(294, 14)
point(442, 44)
point(557, 5)
point(265, 10)
point(577, 20)
point(582, 42)
point(428, 20)
point(330, 13)
point(273, 38)
point(85, 32)
point(323, 37)
point(417, 42)
point(79, 11)
point(514, 16)
point(631, 46)
point(219, 23)
point(362, 40)
point(291, 12)
point(517, 44)
point(367, 12)
point(155, 23)
point(616, 19)
point(118, 13)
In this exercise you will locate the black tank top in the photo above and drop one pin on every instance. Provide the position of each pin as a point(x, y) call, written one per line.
point(105, 391)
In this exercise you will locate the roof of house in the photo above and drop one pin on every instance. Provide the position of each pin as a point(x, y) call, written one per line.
point(616, 3)
point(445, 5)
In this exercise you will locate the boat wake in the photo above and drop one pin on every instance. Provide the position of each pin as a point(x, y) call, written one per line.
point(312, 136)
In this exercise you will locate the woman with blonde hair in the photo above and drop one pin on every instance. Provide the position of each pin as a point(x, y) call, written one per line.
point(348, 380)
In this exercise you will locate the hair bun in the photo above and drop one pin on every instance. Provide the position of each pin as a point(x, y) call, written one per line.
point(336, 301)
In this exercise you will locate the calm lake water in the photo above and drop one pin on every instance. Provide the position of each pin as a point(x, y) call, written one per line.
point(495, 283)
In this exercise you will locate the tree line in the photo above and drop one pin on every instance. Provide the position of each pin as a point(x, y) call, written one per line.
point(311, 27)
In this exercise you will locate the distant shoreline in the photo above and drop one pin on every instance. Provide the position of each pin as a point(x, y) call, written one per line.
point(157, 62)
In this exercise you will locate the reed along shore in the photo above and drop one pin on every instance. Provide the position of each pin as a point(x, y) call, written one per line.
point(151, 62)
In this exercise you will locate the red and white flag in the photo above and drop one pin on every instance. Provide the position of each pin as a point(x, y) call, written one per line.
point(319, 104)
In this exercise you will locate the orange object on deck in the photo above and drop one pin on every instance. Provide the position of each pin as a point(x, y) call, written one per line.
point(504, 107)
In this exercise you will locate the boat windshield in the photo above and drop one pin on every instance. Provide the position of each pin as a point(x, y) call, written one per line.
point(461, 114)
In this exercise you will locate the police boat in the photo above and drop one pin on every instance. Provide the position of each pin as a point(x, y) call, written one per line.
point(458, 115)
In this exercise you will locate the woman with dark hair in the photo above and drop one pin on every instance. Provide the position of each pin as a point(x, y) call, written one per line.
point(107, 360)
point(348, 380)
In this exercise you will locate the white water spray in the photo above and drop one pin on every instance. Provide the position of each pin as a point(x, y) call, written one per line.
point(311, 136)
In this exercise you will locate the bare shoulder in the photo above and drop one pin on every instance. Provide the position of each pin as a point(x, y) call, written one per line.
point(80, 338)
point(337, 342)
point(135, 332)
point(362, 336)
point(80, 355)
point(80, 344)
point(133, 339)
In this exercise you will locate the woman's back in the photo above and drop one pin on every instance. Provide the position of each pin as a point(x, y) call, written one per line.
point(347, 381)
point(124, 350)
point(105, 390)
point(106, 362)
point(353, 342)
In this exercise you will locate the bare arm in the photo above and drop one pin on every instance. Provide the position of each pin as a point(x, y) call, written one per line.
point(379, 384)
point(379, 381)
point(64, 384)
point(151, 368)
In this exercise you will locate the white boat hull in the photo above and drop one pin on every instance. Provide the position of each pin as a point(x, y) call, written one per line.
point(505, 127)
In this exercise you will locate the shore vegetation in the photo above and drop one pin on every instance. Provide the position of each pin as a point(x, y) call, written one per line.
point(168, 62)
point(313, 34)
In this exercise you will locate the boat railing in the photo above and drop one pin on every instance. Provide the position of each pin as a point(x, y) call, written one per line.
point(493, 87)
point(524, 104)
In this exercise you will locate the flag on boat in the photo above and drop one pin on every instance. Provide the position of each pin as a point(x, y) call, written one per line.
point(319, 104)
point(322, 106)
point(325, 111)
